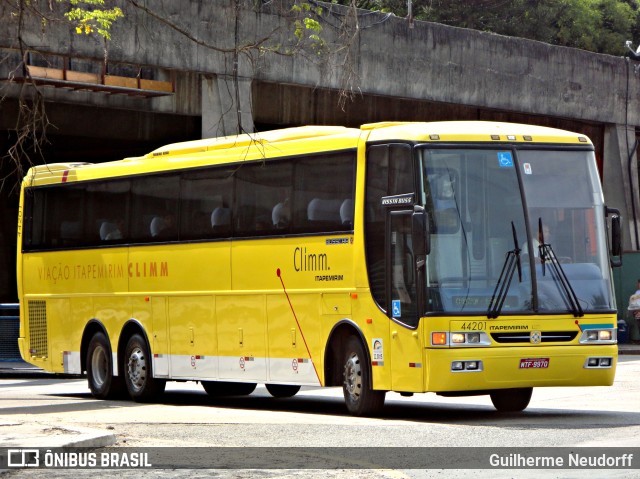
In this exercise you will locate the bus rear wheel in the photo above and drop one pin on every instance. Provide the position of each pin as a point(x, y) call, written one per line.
point(360, 398)
point(511, 400)
point(138, 372)
point(102, 383)
point(223, 388)
point(282, 390)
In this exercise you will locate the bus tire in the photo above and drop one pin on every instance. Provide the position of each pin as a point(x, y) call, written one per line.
point(224, 388)
point(102, 383)
point(360, 398)
point(138, 371)
point(511, 400)
point(282, 390)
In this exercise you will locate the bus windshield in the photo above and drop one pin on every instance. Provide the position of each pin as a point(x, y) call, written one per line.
point(497, 248)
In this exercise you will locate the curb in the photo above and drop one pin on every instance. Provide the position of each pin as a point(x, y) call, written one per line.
point(44, 435)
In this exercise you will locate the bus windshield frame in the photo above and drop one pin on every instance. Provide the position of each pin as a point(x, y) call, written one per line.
point(514, 230)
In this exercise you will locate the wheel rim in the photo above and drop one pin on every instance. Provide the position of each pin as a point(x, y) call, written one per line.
point(353, 376)
point(137, 369)
point(99, 366)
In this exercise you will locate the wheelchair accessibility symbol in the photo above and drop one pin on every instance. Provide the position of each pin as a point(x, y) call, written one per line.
point(505, 160)
point(396, 311)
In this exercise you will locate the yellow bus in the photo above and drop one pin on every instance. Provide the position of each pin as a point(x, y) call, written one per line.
point(461, 258)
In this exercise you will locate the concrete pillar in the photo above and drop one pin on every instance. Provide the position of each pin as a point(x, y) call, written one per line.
point(620, 181)
point(221, 115)
point(9, 194)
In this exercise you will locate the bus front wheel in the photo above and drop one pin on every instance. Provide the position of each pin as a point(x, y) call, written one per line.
point(511, 400)
point(138, 373)
point(102, 383)
point(360, 398)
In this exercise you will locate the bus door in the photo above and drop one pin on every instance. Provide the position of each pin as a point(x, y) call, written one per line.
point(407, 368)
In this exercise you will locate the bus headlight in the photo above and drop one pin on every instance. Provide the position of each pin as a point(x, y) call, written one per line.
point(604, 335)
point(459, 338)
point(473, 338)
point(598, 336)
point(476, 338)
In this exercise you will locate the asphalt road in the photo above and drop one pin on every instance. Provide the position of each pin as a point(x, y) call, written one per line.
point(41, 412)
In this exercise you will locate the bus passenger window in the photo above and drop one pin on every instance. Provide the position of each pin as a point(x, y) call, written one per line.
point(155, 208)
point(259, 187)
point(323, 193)
point(205, 201)
point(324, 214)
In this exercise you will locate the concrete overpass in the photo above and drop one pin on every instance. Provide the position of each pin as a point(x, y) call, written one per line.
point(399, 70)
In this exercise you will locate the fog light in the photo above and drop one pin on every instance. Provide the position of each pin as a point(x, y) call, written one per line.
point(472, 365)
point(457, 366)
point(605, 362)
point(593, 362)
point(457, 337)
point(473, 337)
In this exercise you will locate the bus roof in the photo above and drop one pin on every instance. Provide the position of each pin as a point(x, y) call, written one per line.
point(208, 151)
point(471, 131)
point(276, 138)
point(299, 141)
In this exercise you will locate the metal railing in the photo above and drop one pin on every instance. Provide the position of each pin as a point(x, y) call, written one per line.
point(9, 331)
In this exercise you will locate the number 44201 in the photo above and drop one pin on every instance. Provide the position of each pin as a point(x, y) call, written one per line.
point(474, 326)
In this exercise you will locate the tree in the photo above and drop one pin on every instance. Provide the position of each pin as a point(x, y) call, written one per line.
point(596, 25)
point(87, 17)
point(93, 20)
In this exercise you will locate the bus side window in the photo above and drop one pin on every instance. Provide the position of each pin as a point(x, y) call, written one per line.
point(259, 188)
point(63, 224)
point(155, 208)
point(324, 214)
point(322, 185)
point(205, 199)
point(389, 172)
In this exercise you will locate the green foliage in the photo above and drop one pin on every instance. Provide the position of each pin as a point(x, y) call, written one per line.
point(90, 16)
point(596, 25)
point(306, 27)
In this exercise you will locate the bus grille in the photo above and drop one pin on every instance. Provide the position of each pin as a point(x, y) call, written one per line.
point(547, 337)
point(38, 344)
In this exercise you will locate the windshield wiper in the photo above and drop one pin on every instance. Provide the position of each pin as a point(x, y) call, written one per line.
point(511, 263)
point(547, 254)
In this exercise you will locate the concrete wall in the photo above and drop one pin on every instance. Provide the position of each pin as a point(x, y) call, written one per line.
point(427, 62)
point(422, 71)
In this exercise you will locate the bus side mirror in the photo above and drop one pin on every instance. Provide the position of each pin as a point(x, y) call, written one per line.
point(616, 237)
point(420, 231)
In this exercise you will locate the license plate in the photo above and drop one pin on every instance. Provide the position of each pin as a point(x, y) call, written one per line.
point(534, 363)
